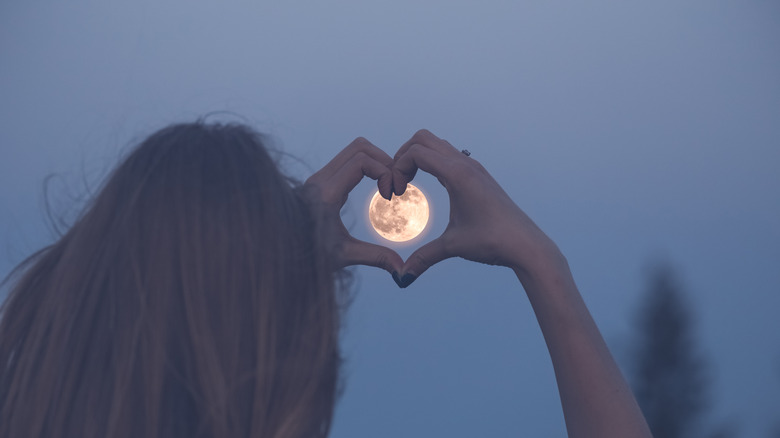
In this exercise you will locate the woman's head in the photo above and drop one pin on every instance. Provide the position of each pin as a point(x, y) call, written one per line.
point(190, 298)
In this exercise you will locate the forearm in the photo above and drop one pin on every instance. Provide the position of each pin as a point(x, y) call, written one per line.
point(486, 226)
point(596, 400)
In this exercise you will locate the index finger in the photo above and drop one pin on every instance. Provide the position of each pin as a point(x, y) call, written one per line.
point(358, 166)
point(426, 138)
point(357, 146)
point(419, 157)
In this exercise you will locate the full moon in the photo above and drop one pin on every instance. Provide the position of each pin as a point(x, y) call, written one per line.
point(401, 219)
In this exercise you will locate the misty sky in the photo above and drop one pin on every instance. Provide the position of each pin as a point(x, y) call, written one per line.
point(629, 132)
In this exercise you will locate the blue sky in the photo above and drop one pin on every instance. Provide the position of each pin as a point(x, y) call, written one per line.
point(629, 132)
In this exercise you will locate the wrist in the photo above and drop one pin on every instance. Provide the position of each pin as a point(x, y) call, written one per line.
point(543, 264)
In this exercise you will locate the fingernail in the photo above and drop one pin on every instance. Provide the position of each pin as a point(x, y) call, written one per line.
point(407, 279)
point(396, 279)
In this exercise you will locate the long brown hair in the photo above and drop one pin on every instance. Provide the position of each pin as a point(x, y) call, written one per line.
point(190, 298)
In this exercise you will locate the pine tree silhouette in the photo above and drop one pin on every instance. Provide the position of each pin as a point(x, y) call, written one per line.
point(776, 431)
point(671, 376)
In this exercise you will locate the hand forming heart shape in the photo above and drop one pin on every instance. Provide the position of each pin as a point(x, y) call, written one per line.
point(485, 225)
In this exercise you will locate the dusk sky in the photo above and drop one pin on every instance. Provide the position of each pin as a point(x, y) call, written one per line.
point(630, 132)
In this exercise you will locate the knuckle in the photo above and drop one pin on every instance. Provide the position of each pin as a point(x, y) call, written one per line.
point(328, 195)
point(358, 160)
point(478, 165)
point(360, 156)
point(415, 148)
point(419, 261)
point(382, 260)
point(360, 143)
point(423, 133)
point(311, 188)
point(465, 170)
point(461, 166)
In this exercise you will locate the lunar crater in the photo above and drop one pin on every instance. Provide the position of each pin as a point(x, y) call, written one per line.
point(402, 218)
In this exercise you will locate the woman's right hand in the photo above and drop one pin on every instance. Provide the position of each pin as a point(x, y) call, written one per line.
point(485, 225)
point(326, 192)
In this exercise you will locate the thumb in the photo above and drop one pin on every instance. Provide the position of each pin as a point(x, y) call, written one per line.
point(358, 252)
point(423, 258)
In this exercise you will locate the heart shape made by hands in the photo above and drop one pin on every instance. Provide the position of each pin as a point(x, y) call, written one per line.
point(400, 220)
point(484, 224)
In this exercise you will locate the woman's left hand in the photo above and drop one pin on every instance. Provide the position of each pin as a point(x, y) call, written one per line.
point(327, 191)
point(485, 225)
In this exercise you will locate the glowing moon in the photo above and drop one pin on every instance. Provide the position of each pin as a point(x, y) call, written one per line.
point(401, 219)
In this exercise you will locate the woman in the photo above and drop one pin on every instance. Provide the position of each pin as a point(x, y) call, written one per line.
point(198, 296)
